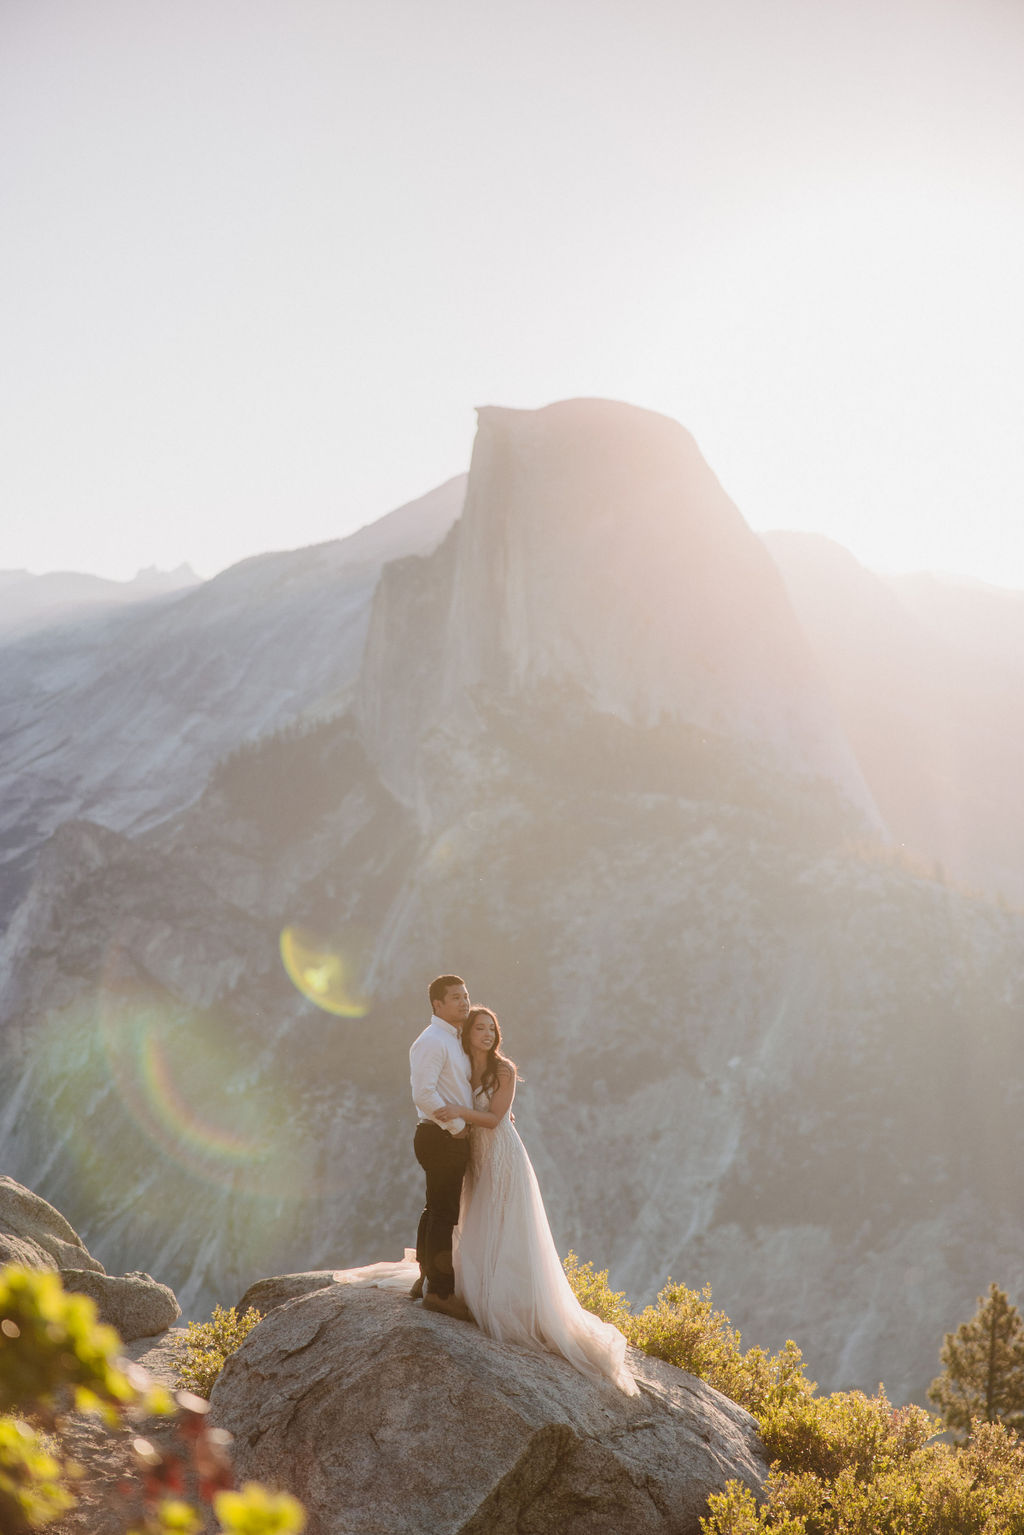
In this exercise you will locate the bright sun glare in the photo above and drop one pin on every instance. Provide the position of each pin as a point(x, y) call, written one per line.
point(256, 306)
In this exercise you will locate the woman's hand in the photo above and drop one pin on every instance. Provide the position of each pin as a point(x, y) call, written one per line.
point(450, 1111)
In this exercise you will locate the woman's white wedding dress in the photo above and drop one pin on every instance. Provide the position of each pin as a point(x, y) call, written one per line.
point(506, 1267)
point(508, 1271)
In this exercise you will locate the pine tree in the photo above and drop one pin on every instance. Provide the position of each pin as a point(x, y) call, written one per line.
point(984, 1368)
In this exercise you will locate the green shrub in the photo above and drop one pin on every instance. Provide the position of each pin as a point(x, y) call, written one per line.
point(930, 1489)
point(202, 1352)
point(32, 1492)
point(53, 1352)
point(845, 1464)
point(255, 1511)
point(736, 1511)
point(595, 1294)
point(55, 1357)
point(847, 1430)
point(252, 1511)
point(683, 1328)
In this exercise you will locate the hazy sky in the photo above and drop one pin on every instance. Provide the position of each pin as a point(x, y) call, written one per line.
point(261, 258)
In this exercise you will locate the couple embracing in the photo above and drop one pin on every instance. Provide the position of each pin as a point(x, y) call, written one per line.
point(484, 1247)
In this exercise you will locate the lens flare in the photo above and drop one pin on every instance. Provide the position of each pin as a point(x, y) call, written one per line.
point(184, 1105)
point(325, 975)
point(139, 1083)
point(177, 1118)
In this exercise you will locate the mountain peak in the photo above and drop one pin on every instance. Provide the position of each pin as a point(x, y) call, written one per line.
point(597, 550)
point(152, 579)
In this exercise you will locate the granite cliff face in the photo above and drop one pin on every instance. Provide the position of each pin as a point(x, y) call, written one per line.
point(597, 552)
point(927, 677)
point(121, 715)
point(746, 1022)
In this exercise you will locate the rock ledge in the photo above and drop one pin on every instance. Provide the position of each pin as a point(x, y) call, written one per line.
point(35, 1235)
point(383, 1417)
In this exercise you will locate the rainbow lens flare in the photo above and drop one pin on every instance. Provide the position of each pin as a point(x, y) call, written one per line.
point(175, 1076)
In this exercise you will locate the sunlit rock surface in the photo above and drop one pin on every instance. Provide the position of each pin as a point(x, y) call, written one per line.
point(381, 1416)
point(598, 552)
point(762, 1047)
point(136, 1304)
point(35, 1235)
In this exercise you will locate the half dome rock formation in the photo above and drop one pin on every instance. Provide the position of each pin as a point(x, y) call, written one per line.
point(383, 1417)
point(597, 551)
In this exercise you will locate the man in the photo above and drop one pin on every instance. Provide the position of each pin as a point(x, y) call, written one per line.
point(440, 1072)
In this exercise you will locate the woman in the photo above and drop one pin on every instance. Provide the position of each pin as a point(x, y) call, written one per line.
point(506, 1267)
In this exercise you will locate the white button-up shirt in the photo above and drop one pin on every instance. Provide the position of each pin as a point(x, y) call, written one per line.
point(440, 1072)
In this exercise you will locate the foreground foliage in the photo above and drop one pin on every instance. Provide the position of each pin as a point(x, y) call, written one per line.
point(57, 1359)
point(844, 1464)
point(53, 1352)
point(205, 1348)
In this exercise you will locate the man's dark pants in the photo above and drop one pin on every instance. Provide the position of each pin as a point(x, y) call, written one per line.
point(443, 1159)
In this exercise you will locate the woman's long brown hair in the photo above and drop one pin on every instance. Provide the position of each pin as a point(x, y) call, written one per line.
point(495, 1059)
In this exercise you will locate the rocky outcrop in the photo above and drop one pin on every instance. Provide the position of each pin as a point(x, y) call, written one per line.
point(380, 1416)
point(35, 1235)
point(136, 1304)
point(267, 1294)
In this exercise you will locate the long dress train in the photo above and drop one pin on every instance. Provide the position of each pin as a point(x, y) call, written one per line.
point(508, 1271)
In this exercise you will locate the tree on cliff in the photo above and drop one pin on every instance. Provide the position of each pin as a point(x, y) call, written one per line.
point(984, 1368)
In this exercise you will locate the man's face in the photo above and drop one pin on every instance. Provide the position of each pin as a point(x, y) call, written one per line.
point(455, 1007)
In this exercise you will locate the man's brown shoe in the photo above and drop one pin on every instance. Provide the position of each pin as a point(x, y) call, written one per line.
point(448, 1305)
point(417, 1288)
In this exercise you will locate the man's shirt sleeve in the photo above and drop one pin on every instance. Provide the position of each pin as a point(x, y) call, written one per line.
point(427, 1059)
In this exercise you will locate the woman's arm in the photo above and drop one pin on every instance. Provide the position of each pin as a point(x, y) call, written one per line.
point(501, 1102)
